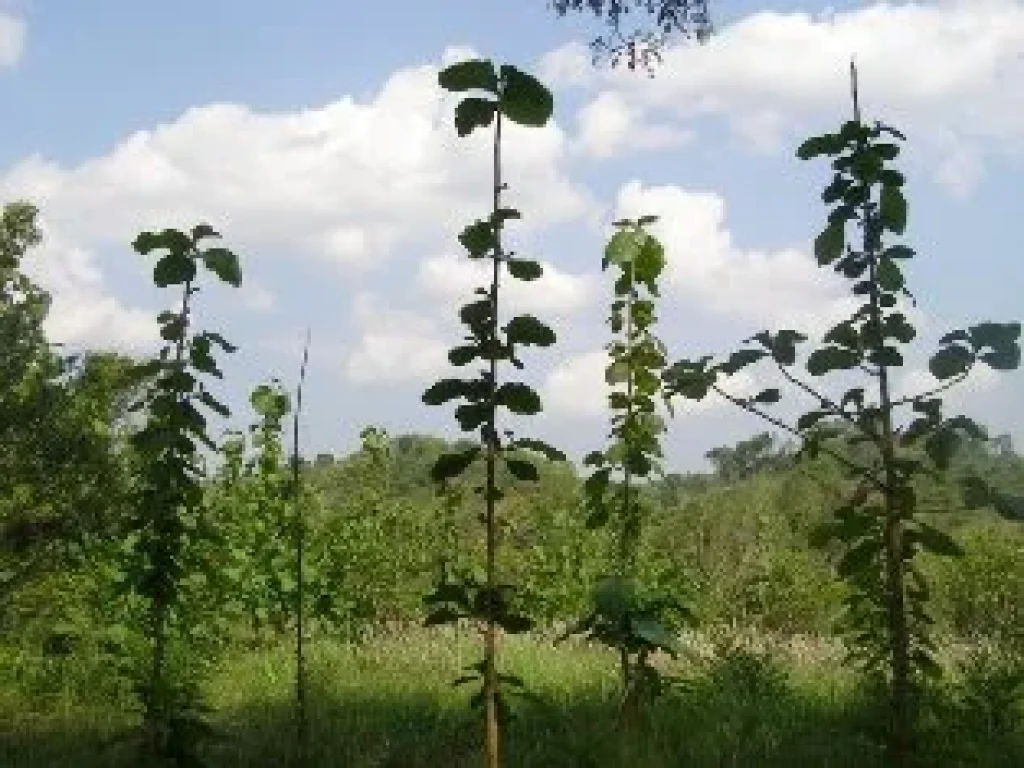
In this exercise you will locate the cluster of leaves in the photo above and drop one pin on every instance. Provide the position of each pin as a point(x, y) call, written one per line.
point(61, 480)
point(504, 93)
point(257, 521)
point(169, 520)
point(641, 46)
point(887, 616)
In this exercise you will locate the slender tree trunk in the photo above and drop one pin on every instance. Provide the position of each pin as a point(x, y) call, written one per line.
point(492, 734)
point(901, 725)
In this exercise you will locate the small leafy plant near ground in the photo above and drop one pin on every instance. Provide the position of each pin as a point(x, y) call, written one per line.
point(626, 616)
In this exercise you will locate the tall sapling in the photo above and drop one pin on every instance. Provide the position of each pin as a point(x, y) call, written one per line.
point(513, 95)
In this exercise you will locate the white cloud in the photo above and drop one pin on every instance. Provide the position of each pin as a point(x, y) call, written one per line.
point(394, 345)
point(12, 40)
point(256, 297)
point(575, 390)
point(942, 71)
point(82, 311)
point(570, 65)
point(783, 288)
point(608, 125)
point(348, 182)
point(453, 278)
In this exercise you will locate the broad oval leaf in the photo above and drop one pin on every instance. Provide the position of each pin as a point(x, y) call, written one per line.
point(950, 361)
point(443, 391)
point(527, 329)
point(473, 113)
point(518, 398)
point(468, 75)
point(524, 269)
point(524, 99)
point(224, 264)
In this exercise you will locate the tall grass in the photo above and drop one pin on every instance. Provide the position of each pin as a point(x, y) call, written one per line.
point(740, 699)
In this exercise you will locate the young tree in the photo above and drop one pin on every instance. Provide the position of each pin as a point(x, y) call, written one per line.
point(623, 617)
point(887, 619)
point(169, 516)
point(503, 94)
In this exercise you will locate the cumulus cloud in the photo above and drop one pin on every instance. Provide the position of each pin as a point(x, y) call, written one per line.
point(940, 70)
point(453, 278)
point(394, 345)
point(12, 40)
point(349, 182)
point(607, 126)
point(83, 312)
point(783, 288)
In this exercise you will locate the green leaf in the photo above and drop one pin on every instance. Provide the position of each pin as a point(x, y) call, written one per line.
point(518, 398)
point(524, 269)
point(784, 346)
point(616, 372)
point(936, 541)
point(596, 485)
point(471, 415)
point(475, 74)
point(224, 264)
point(828, 246)
point(473, 113)
point(450, 465)
point(463, 355)
point(825, 144)
point(950, 361)
point(1003, 359)
point(203, 231)
point(171, 239)
point(522, 470)
point(827, 359)
point(890, 278)
point(898, 252)
point(940, 447)
point(809, 419)
point(995, 335)
point(479, 239)
point(892, 209)
point(886, 356)
point(741, 359)
point(527, 329)
point(844, 334)
point(623, 247)
point(524, 99)
point(174, 269)
point(444, 390)
point(897, 327)
point(649, 261)
point(767, 396)
point(549, 452)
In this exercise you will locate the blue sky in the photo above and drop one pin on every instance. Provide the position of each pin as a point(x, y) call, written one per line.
point(315, 139)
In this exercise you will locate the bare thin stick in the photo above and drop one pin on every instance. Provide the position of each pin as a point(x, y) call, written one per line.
point(300, 658)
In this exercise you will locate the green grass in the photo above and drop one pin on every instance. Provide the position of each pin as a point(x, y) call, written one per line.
point(389, 703)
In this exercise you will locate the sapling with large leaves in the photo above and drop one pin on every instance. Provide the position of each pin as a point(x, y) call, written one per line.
point(623, 617)
point(169, 515)
point(496, 95)
point(878, 528)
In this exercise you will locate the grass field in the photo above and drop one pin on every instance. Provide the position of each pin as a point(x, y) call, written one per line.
point(389, 702)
